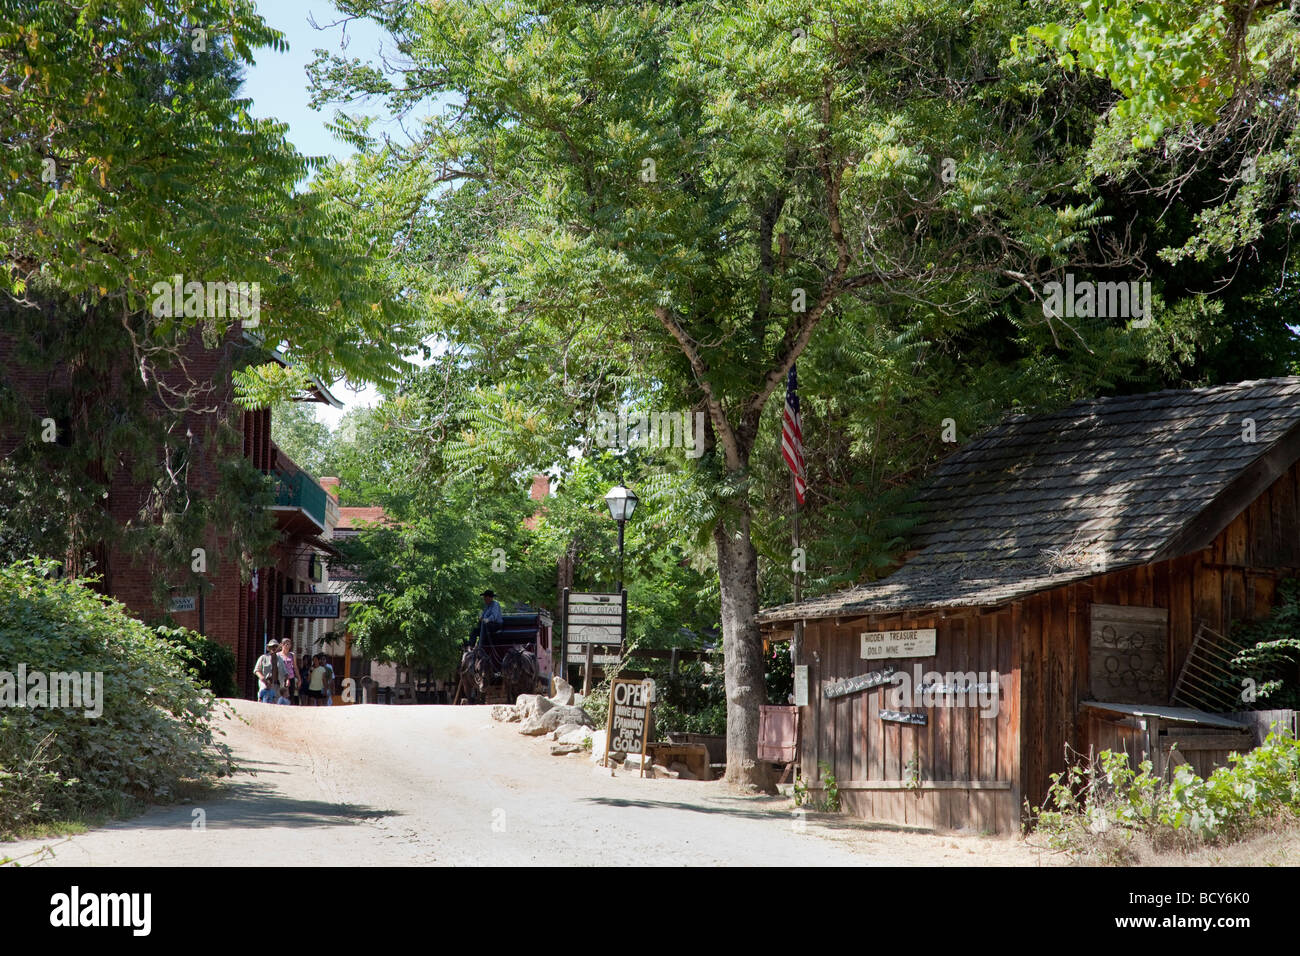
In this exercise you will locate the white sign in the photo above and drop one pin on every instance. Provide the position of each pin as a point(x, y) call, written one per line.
point(801, 685)
point(879, 645)
point(594, 619)
point(579, 656)
point(184, 604)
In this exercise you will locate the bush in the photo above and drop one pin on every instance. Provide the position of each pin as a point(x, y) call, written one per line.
point(154, 729)
point(211, 664)
point(1101, 809)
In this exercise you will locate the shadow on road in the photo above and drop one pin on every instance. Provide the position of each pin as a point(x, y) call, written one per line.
point(748, 813)
point(251, 804)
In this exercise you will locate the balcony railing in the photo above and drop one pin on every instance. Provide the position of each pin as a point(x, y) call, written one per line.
point(298, 489)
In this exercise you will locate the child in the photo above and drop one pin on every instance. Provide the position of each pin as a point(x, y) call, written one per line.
point(284, 697)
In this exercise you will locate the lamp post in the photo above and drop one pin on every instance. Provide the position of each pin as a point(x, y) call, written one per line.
point(622, 502)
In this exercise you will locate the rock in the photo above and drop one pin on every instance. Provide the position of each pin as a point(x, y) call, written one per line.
point(563, 696)
point(568, 728)
point(578, 735)
point(617, 756)
point(532, 727)
point(505, 712)
point(597, 744)
point(532, 705)
point(559, 750)
point(661, 772)
point(557, 716)
point(633, 762)
point(682, 771)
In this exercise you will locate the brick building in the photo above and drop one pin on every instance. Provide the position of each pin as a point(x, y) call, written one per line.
point(240, 614)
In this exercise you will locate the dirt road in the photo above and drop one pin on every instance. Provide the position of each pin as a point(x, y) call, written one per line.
point(425, 785)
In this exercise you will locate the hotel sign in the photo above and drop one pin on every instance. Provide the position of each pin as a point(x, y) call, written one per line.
point(882, 645)
point(309, 605)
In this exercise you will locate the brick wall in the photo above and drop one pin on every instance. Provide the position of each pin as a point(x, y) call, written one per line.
point(232, 614)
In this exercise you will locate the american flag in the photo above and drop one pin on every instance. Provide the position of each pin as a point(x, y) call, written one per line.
point(792, 434)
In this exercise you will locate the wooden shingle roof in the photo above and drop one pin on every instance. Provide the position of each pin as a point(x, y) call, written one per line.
point(1037, 502)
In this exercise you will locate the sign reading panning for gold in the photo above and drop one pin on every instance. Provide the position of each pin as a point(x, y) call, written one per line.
point(878, 645)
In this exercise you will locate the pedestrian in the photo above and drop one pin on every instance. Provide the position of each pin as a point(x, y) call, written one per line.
point(289, 664)
point(316, 683)
point(329, 680)
point(268, 671)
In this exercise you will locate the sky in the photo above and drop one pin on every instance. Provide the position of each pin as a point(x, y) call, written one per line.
point(277, 85)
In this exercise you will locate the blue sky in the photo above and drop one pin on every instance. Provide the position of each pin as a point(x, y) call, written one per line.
point(277, 85)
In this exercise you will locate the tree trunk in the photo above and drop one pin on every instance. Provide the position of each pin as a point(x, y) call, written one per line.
point(743, 649)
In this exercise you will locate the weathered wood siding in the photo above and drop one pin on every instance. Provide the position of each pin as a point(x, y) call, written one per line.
point(966, 765)
point(979, 772)
point(1232, 580)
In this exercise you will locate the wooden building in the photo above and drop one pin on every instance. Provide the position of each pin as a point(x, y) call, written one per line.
point(1081, 572)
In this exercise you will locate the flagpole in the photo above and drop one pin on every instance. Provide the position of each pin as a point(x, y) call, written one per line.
point(796, 642)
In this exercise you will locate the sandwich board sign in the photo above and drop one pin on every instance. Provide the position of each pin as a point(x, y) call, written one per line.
point(628, 726)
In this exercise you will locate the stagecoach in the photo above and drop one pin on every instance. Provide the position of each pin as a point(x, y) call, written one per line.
point(514, 660)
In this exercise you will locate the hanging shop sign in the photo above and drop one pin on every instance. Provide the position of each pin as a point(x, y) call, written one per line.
point(309, 605)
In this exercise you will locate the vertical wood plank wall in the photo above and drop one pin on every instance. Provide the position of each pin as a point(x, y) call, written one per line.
point(1039, 646)
point(966, 764)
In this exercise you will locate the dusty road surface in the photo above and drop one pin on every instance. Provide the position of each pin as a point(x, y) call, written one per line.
point(426, 785)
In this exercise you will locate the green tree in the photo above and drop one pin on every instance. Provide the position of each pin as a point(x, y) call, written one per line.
point(663, 204)
point(130, 160)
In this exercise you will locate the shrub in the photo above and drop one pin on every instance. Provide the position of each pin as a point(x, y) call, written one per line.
point(1100, 809)
point(155, 726)
point(211, 664)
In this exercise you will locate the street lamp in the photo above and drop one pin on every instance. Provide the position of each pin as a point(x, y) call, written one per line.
point(622, 502)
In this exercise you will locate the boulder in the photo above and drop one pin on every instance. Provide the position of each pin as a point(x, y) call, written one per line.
point(578, 735)
point(505, 712)
point(532, 727)
point(532, 705)
point(633, 762)
point(563, 696)
point(559, 750)
point(597, 744)
point(661, 772)
point(557, 716)
point(682, 771)
point(568, 728)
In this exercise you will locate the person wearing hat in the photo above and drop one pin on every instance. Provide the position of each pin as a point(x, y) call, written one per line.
point(268, 670)
point(490, 621)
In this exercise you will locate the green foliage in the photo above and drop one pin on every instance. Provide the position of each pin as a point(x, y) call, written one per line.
point(299, 435)
point(1214, 83)
point(779, 674)
point(155, 727)
point(693, 702)
point(1102, 809)
point(831, 802)
point(211, 664)
point(1271, 657)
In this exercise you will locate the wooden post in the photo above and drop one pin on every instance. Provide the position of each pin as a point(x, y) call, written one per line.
point(672, 667)
point(586, 673)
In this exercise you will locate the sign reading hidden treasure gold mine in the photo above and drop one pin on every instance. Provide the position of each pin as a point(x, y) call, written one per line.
point(628, 726)
point(878, 645)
